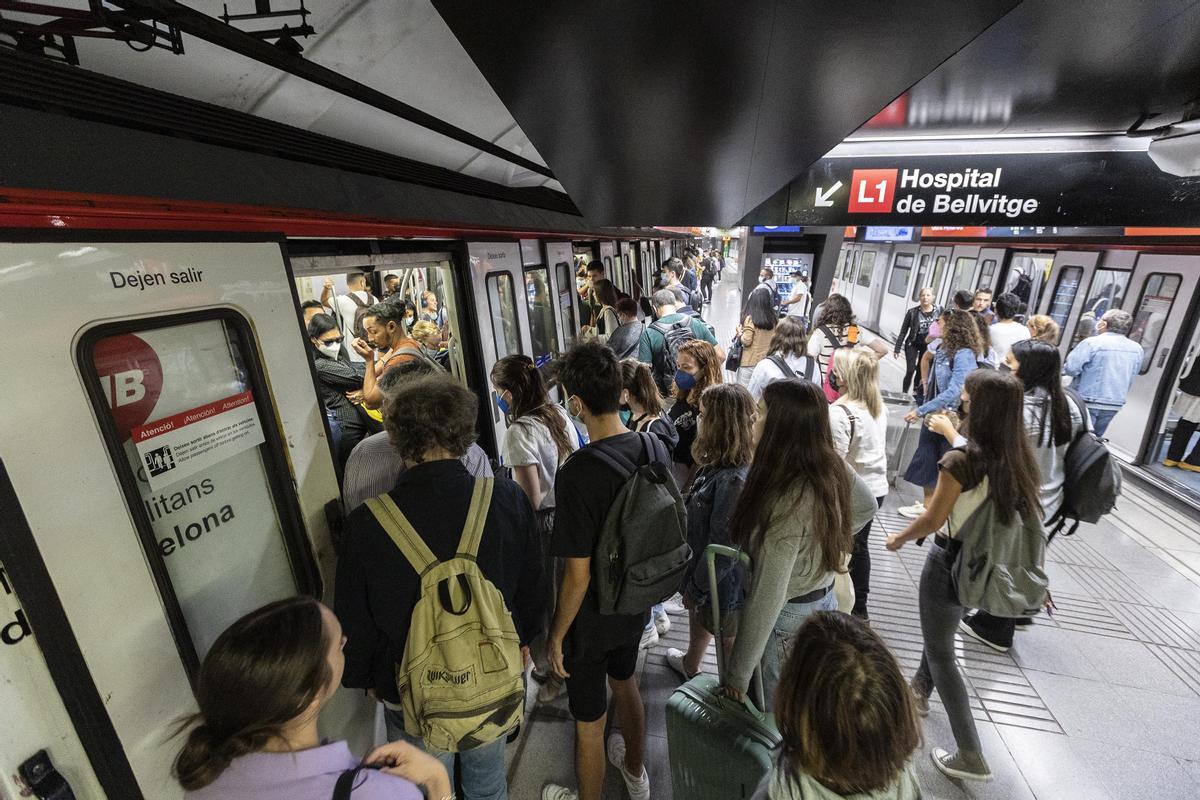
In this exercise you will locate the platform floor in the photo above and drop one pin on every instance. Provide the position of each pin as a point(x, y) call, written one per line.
point(1099, 702)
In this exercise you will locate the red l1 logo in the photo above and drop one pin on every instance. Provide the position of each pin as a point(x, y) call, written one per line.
point(871, 190)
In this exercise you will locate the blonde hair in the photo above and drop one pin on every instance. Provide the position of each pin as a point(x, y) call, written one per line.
point(424, 328)
point(857, 370)
point(1044, 328)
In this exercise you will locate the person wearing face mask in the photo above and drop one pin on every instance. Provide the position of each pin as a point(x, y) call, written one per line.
point(698, 367)
point(387, 345)
point(341, 384)
point(539, 438)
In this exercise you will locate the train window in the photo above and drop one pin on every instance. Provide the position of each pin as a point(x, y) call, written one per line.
point(939, 266)
point(506, 331)
point(185, 409)
point(919, 283)
point(542, 332)
point(1158, 295)
point(987, 273)
point(963, 275)
point(1107, 290)
point(1063, 298)
point(841, 263)
point(866, 268)
point(901, 272)
point(566, 285)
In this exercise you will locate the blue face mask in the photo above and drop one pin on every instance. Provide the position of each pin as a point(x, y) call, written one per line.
point(685, 380)
point(502, 405)
point(626, 415)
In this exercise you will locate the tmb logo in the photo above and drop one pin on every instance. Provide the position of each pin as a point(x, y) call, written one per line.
point(871, 191)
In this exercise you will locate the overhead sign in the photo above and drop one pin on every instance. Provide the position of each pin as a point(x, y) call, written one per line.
point(1025, 190)
point(776, 229)
point(876, 233)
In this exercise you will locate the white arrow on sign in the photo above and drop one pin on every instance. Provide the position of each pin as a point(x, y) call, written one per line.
point(824, 195)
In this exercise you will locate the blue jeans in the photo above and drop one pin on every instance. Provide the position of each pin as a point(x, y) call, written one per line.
point(779, 645)
point(1100, 419)
point(483, 774)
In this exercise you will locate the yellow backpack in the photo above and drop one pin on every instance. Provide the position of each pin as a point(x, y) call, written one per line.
point(460, 676)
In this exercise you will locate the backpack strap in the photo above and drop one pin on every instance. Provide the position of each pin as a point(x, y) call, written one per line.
point(345, 783)
point(354, 299)
point(481, 500)
point(813, 370)
point(850, 416)
point(778, 361)
point(830, 336)
point(402, 533)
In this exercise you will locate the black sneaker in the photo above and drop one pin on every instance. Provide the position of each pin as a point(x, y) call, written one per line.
point(971, 628)
point(1024, 622)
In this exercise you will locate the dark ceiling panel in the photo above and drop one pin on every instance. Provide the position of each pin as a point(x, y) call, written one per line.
point(695, 112)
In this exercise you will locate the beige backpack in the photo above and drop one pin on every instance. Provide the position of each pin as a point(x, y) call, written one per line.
point(460, 676)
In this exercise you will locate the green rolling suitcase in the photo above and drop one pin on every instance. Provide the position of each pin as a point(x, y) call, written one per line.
point(720, 749)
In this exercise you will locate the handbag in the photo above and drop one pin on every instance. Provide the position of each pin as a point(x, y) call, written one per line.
point(733, 361)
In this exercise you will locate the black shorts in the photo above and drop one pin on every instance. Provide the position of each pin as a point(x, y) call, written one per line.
point(599, 647)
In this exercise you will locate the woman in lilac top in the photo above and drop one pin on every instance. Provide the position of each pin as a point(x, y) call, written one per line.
point(261, 689)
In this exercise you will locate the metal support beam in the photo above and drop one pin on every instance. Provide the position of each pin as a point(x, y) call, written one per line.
point(212, 30)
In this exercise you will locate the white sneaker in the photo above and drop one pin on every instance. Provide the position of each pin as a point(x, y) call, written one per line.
point(913, 511)
point(674, 605)
point(662, 624)
point(649, 637)
point(552, 791)
point(551, 690)
point(675, 662)
point(638, 785)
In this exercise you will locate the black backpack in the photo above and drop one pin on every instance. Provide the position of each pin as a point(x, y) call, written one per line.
point(1092, 480)
point(674, 337)
point(812, 370)
point(642, 550)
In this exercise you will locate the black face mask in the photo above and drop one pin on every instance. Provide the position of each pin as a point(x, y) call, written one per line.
point(833, 382)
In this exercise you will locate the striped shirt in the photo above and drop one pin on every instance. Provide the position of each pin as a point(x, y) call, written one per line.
point(374, 467)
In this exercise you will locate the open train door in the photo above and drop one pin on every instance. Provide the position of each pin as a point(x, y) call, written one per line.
point(166, 472)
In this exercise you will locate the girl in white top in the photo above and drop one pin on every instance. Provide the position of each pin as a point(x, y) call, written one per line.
point(859, 424)
point(539, 438)
point(789, 347)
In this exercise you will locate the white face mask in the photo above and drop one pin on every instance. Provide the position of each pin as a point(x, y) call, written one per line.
point(330, 350)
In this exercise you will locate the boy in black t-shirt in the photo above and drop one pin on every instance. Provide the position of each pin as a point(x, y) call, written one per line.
point(585, 646)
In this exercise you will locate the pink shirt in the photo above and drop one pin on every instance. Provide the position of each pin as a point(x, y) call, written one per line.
point(303, 775)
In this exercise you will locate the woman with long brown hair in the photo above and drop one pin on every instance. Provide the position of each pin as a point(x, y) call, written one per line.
point(261, 688)
point(722, 450)
point(787, 357)
point(997, 465)
point(539, 438)
point(698, 367)
point(795, 517)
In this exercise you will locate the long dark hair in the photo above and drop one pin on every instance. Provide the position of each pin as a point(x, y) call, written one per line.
point(724, 440)
point(836, 312)
point(638, 380)
point(1040, 367)
point(261, 673)
point(760, 308)
point(518, 375)
point(795, 457)
point(997, 439)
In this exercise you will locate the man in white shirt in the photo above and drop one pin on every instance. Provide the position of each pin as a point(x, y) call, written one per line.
point(1005, 332)
point(797, 302)
point(346, 306)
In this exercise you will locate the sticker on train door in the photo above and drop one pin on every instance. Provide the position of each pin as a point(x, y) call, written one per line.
point(183, 444)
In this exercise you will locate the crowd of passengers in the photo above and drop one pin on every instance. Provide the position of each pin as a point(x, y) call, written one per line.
point(787, 462)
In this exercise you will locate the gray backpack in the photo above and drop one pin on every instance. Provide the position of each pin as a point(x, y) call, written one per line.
point(1000, 568)
point(642, 551)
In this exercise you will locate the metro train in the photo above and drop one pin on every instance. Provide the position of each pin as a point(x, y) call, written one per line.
point(165, 463)
point(1074, 284)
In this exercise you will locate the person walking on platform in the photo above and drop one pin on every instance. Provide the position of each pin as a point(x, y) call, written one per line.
point(1103, 366)
point(1052, 421)
point(1044, 328)
point(846, 718)
point(1006, 331)
point(625, 339)
point(755, 332)
point(431, 421)
point(796, 517)
point(698, 368)
point(997, 465)
point(836, 328)
point(797, 302)
point(709, 265)
point(956, 357)
point(787, 357)
point(539, 438)
point(858, 421)
point(589, 649)
point(642, 405)
point(662, 339)
point(1187, 406)
point(722, 450)
point(912, 340)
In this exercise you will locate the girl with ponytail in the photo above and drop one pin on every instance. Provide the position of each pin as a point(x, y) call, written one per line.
point(261, 688)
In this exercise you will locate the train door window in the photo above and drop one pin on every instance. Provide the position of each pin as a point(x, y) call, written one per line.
point(987, 274)
point(1153, 308)
point(506, 332)
point(1063, 298)
point(841, 263)
point(922, 270)
point(542, 332)
point(963, 275)
point(866, 268)
point(566, 285)
point(1027, 274)
point(188, 420)
point(901, 272)
point(939, 266)
point(1107, 290)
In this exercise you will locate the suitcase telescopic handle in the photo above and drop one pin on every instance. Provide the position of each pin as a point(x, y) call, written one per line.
point(710, 558)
